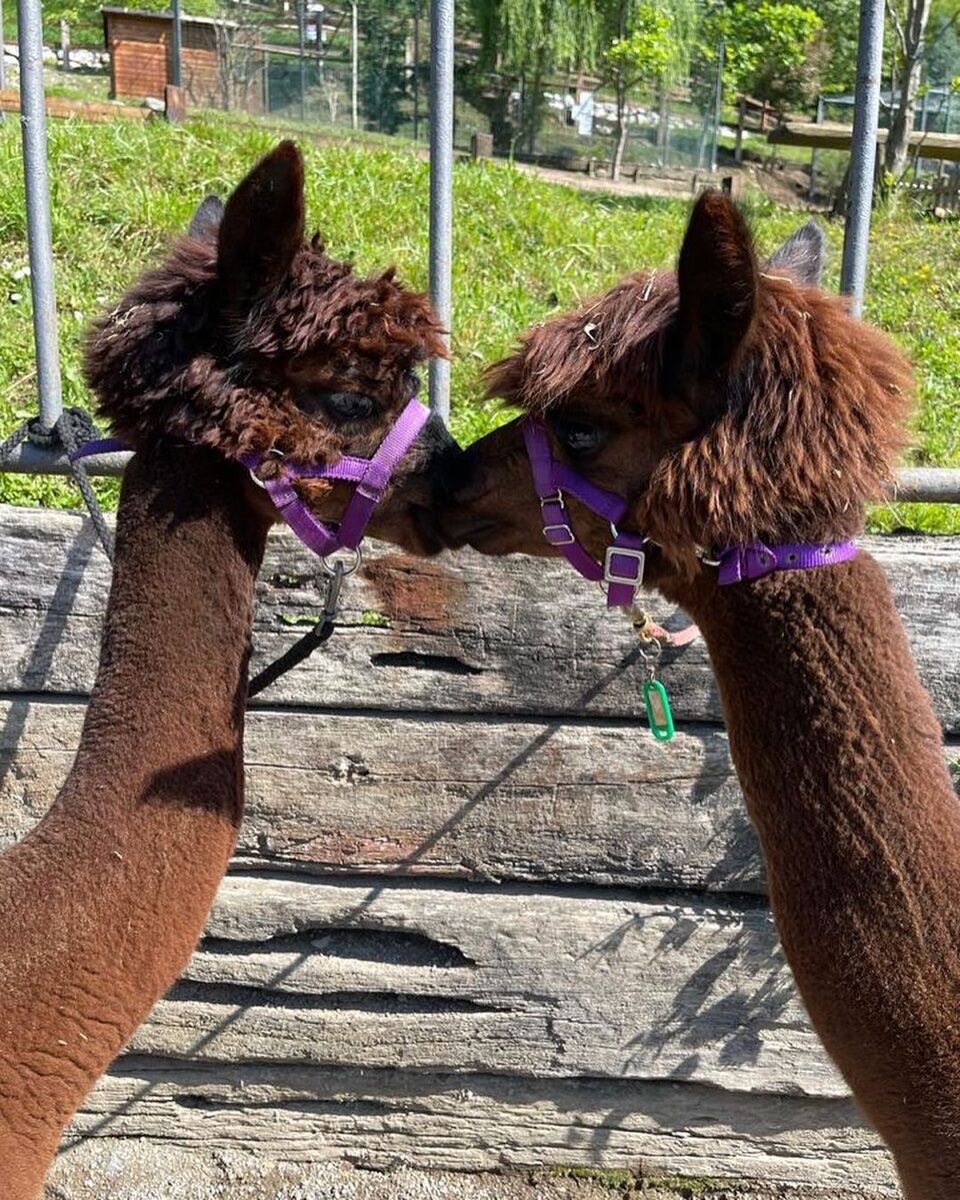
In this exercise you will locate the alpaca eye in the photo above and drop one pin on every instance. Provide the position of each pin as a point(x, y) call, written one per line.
point(348, 406)
point(579, 437)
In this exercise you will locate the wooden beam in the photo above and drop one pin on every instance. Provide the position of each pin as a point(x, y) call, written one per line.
point(827, 136)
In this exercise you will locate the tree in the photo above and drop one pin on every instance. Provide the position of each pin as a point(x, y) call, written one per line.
point(909, 21)
point(642, 55)
point(775, 52)
point(520, 42)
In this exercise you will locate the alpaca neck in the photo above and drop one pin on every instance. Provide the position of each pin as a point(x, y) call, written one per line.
point(840, 758)
point(104, 900)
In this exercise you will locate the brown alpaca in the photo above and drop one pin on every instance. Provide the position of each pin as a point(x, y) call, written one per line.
point(730, 403)
point(244, 338)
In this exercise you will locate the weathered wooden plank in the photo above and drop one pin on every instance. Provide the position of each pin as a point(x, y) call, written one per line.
point(458, 634)
point(474, 797)
point(513, 981)
point(299, 1116)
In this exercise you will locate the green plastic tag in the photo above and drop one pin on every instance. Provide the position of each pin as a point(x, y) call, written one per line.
point(659, 713)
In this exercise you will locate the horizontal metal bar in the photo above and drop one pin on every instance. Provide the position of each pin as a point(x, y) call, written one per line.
point(927, 485)
point(35, 460)
point(919, 485)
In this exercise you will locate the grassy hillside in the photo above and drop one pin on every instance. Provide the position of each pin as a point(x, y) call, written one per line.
point(523, 249)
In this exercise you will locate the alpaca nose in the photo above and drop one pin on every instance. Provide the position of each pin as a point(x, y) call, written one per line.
point(441, 455)
point(470, 481)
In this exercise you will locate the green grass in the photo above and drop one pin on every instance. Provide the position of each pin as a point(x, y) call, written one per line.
point(523, 248)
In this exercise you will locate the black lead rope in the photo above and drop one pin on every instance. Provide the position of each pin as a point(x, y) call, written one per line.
point(301, 650)
point(73, 427)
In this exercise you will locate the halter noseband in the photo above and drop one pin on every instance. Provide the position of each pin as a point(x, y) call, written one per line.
point(277, 474)
point(622, 567)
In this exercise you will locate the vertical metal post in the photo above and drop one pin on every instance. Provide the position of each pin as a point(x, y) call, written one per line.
point(176, 46)
point(354, 65)
point(33, 123)
point(863, 161)
point(811, 192)
point(416, 70)
point(718, 101)
point(302, 34)
point(441, 187)
point(3, 69)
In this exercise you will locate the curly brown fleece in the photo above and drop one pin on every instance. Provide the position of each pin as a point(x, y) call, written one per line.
point(159, 364)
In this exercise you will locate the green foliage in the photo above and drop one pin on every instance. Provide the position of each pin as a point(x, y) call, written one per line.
point(645, 54)
point(772, 51)
point(523, 248)
point(525, 36)
point(841, 25)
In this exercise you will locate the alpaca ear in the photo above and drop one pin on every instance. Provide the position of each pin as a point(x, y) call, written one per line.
point(801, 255)
point(262, 227)
point(206, 220)
point(717, 279)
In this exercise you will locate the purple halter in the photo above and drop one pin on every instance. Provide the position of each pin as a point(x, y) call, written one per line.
point(622, 567)
point(371, 475)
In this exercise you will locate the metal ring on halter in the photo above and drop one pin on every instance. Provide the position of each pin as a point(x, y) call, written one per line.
point(277, 454)
point(333, 565)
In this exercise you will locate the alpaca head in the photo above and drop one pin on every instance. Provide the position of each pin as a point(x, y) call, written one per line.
point(727, 401)
point(248, 338)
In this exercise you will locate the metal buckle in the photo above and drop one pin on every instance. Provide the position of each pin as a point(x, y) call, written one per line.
point(556, 498)
point(611, 576)
point(565, 529)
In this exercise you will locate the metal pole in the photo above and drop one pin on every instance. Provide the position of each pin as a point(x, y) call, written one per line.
point(354, 65)
point(303, 57)
point(721, 53)
point(813, 153)
point(863, 161)
point(33, 124)
point(416, 71)
point(176, 46)
point(441, 187)
point(3, 55)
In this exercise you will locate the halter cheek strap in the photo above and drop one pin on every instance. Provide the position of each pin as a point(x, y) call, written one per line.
point(622, 566)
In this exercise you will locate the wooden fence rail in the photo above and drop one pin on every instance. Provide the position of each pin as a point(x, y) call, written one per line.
point(478, 918)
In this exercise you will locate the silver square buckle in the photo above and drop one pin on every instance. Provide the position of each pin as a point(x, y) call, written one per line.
point(566, 540)
point(611, 576)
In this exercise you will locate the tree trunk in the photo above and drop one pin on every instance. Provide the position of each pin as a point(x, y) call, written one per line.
point(912, 43)
point(621, 128)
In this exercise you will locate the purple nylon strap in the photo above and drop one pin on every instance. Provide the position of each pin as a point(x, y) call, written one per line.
point(622, 567)
point(757, 559)
point(98, 446)
point(371, 475)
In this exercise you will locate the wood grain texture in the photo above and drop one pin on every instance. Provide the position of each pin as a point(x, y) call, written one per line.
point(520, 981)
point(462, 634)
point(482, 798)
point(291, 1119)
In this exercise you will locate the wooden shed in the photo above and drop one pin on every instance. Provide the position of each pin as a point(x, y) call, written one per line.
point(477, 919)
point(139, 43)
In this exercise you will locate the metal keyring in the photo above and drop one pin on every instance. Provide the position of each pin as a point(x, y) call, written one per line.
point(331, 565)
